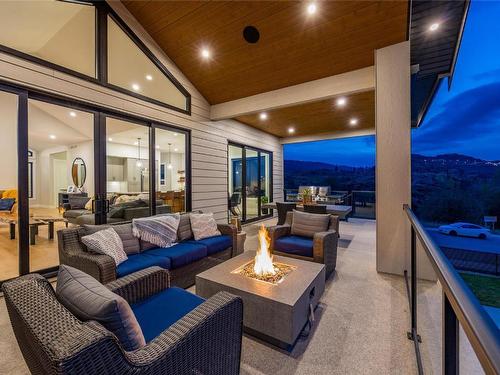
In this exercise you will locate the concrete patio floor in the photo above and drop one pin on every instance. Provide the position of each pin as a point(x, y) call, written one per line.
point(361, 322)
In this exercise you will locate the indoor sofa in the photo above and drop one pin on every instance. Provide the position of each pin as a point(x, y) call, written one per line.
point(184, 260)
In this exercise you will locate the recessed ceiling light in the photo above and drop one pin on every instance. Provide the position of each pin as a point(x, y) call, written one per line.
point(434, 26)
point(110, 139)
point(136, 143)
point(136, 87)
point(205, 53)
point(341, 102)
point(72, 114)
point(176, 149)
point(312, 8)
point(291, 130)
point(149, 77)
point(52, 136)
point(353, 121)
point(263, 116)
point(175, 134)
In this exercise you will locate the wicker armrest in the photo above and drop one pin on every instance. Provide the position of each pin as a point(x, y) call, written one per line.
point(101, 267)
point(229, 230)
point(141, 284)
point(325, 247)
point(206, 339)
point(73, 253)
point(278, 231)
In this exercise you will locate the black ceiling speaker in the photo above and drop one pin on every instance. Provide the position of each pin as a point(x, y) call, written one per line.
point(251, 34)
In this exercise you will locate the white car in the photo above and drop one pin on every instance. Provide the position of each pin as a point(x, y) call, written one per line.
point(465, 229)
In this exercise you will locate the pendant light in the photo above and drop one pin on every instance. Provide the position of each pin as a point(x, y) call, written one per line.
point(139, 162)
point(169, 165)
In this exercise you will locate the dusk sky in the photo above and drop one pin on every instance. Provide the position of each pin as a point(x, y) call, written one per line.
point(464, 120)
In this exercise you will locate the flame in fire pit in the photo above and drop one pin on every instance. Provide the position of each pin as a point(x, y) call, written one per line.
point(263, 259)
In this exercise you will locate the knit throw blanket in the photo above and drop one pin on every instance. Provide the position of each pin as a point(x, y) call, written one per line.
point(158, 230)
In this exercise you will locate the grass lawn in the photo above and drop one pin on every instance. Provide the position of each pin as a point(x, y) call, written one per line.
point(486, 288)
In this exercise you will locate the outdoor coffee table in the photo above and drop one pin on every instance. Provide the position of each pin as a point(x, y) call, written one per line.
point(276, 313)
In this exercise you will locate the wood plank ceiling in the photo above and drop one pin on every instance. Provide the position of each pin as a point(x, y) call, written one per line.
point(294, 46)
point(319, 117)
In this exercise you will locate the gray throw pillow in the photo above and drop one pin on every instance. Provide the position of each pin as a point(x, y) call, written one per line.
point(77, 203)
point(107, 242)
point(203, 226)
point(184, 231)
point(130, 243)
point(305, 224)
point(88, 299)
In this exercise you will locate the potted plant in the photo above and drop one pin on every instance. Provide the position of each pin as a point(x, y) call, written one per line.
point(263, 200)
point(307, 196)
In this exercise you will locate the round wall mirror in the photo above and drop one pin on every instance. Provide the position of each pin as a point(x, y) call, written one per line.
point(79, 172)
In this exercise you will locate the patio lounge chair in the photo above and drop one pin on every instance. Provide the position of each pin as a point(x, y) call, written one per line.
point(319, 246)
point(204, 339)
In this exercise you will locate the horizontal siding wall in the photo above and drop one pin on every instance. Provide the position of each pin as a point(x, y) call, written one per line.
point(209, 139)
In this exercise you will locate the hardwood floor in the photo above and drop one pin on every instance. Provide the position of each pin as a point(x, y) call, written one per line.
point(43, 254)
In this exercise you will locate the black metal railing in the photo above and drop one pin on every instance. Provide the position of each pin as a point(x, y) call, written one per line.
point(460, 308)
point(362, 201)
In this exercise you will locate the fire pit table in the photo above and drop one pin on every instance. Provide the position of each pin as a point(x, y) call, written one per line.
point(273, 311)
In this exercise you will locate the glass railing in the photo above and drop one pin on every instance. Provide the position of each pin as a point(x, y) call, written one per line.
point(452, 331)
point(361, 201)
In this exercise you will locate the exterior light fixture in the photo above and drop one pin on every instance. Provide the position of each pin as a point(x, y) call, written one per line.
point(149, 77)
point(341, 102)
point(72, 114)
point(312, 8)
point(205, 53)
point(263, 116)
point(136, 87)
point(353, 122)
point(291, 130)
point(434, 26)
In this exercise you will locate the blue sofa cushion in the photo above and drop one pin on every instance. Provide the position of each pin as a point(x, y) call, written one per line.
point(180, 254)
point(137, 262)
point(6, 204)
point(296, 245)
point(160, 311)
point(215, 244)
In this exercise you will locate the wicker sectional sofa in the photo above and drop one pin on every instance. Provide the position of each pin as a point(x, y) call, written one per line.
point(183, 260)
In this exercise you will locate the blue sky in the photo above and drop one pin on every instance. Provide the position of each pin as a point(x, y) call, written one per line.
point(355, 151)
point(465, 119)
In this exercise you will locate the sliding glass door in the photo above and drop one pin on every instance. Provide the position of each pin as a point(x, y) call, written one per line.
point(249, 182)
point(60, 176)
point(9, 203)
point(68, 164)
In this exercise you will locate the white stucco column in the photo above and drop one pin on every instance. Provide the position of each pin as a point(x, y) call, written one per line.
point(393, 160)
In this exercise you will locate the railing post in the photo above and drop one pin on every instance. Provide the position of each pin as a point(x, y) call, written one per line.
point(413, 282)
point(450, 339)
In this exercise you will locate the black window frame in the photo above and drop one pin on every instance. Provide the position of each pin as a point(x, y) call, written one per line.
point(259, 151)
point(103, 10)
point(101, 112)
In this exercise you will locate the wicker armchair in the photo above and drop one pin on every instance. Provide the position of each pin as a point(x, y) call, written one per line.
point(103, 268)
point(324, 244)
point(53, 341)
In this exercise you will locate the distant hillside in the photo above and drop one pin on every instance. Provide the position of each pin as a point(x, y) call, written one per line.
point(455, 187)
point(338, 177)
point(445, 188)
